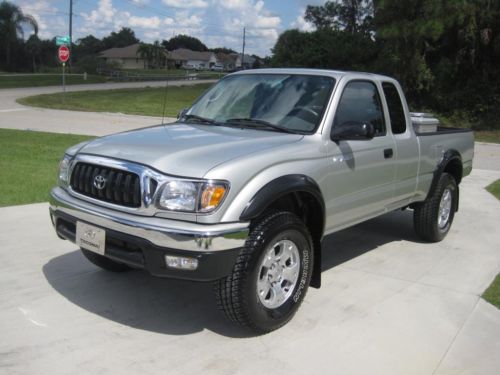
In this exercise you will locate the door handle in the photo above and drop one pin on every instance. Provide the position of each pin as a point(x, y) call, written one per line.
point(388, 153)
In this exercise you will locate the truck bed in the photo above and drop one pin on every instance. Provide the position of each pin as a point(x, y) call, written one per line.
point(432, 146)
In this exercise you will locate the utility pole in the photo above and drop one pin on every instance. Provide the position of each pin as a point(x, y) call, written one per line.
point(70, 31)
point(243, 52)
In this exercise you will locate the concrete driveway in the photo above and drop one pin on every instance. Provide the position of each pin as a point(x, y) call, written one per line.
point(389, 305)
point(17, 116)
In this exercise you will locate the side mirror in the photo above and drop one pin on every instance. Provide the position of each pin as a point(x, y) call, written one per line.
point(182, 112)
point(353, 131)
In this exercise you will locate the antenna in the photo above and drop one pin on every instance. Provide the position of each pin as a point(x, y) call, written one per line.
point(70, 32)
point(165, 98)
point(243, 52)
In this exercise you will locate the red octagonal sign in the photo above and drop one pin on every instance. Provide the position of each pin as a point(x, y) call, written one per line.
point(63, 53)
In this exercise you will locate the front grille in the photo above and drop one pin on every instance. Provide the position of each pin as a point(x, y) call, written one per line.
point(120, 187)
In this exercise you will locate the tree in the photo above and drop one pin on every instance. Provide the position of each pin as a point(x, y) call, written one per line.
point(88, 45)
point(12, 20)
point(153, 54)
point(123, 38)
point(184, 41)
point(33, 47)
point(324, 48)
point(222, 50)
point(353, 16)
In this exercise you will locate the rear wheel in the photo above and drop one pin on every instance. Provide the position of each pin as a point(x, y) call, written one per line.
point(433, 218)
point(105, 263)
point(271, 275)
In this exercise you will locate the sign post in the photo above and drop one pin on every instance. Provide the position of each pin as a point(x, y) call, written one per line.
point(62, 40)
point(63, 55)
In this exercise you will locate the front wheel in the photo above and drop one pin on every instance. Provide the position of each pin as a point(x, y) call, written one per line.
point(271, 275)
point(433, 218)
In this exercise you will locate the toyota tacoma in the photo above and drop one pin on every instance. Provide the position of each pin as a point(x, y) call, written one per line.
point(242, 188)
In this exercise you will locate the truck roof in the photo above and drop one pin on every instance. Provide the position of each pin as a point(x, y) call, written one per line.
point(337, 74)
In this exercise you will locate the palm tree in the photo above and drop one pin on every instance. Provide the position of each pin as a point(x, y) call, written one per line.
point(12, 20)
point(145, 52)
point(33, 46)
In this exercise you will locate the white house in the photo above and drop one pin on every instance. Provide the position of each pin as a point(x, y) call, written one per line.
point(126, 57)
point(187, 59)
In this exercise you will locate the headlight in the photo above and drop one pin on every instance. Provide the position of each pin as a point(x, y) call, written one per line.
point(179, 196)
point(192, 196)
point(64, 170)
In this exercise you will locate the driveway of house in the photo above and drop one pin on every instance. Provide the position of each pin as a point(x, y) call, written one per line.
point(389, 304)
point(16, 116)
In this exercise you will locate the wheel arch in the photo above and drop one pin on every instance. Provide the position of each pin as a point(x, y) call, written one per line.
point(450, 163)
point(301, 195)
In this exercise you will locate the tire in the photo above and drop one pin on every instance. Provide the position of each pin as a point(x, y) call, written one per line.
point(277, 252)
point(104, 263)
point(431, 221)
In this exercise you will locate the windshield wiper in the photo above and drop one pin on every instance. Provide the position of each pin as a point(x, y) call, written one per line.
point(201, 119)
point(259, 123)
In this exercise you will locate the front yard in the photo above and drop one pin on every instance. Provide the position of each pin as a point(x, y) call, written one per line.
point(492, 294)
point(29, 163)
point(144, 101)
point(8, 81)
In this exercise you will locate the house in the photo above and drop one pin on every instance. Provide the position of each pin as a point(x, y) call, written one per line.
point(229, 62)
point(125, 57)
point(248, 62)
point(187, 59)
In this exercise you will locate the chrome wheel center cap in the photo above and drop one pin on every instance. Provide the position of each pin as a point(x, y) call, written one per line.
point(278, 273)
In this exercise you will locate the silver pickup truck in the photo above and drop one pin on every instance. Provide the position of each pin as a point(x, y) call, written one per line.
point(241, 190)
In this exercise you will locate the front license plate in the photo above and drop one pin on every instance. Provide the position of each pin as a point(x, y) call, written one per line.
point(90, 237)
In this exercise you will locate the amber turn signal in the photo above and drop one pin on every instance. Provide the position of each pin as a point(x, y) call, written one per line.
point(211, 196)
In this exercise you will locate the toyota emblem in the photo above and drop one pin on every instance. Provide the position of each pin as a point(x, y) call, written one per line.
point(99, 182)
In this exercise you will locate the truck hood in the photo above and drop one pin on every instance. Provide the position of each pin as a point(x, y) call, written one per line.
point(185, 149)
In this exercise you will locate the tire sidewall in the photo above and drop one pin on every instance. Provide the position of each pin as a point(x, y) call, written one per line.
point(448, 183)
point(262, 316)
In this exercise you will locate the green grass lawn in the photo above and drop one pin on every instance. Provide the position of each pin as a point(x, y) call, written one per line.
point(29, 162)
point(492, 294)
point(145, 101)
point(492, 136)
point(13, 81)
point(494, 188)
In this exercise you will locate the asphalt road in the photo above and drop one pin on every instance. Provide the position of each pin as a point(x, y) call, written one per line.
point(17, 116)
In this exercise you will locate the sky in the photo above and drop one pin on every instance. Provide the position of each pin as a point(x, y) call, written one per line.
point(217, 23)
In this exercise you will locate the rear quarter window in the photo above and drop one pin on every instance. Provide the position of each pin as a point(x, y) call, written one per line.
point(395, 106)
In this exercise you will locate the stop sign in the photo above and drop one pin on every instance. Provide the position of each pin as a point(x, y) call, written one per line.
point(63, 53)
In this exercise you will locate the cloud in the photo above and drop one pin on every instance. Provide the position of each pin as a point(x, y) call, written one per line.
point(188, 4)
point(49, 19)
point(300, 22)
point(262, 27)
point(144, 22)
point(104, 14)
point(234, 4)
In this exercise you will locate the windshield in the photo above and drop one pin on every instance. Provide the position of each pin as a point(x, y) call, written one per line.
point(293, 102)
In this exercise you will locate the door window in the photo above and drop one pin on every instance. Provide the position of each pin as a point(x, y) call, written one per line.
point(360, 102)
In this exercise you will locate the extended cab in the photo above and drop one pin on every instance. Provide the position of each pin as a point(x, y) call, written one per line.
point(243, 187)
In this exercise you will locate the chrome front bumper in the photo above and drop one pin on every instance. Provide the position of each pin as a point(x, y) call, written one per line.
point(167, 233)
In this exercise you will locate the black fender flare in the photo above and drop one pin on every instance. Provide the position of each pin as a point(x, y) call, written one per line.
point(448, 156)
point(279, 187)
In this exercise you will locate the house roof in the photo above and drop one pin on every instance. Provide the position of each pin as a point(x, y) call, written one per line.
point(184, 54)
point(121, 53)
point(226, 58)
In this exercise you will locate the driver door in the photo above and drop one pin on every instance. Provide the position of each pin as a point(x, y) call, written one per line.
point(361, 173)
